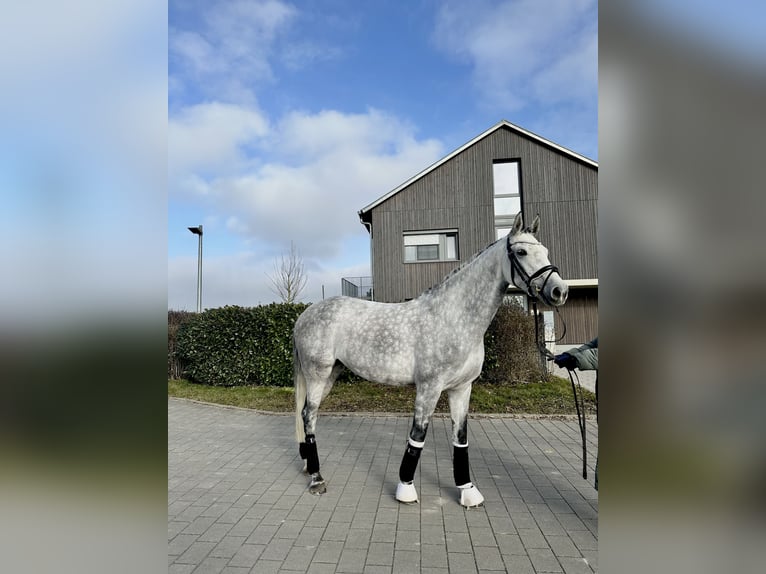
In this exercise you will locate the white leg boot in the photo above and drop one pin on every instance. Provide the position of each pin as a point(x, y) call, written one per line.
point(406, 493)
point(470, 496)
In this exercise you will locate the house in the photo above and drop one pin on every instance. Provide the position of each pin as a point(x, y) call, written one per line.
point(441, 217)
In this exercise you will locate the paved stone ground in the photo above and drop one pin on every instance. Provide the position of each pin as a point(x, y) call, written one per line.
point(238, 501)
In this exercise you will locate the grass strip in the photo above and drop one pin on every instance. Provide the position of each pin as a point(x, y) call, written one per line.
point(553, 397)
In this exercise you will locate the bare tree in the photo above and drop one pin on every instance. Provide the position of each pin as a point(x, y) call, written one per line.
point(289, 278)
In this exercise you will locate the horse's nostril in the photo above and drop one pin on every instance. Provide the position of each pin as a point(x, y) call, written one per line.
point(559, 294)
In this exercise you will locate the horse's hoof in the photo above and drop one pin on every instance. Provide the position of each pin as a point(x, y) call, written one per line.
point(317, 485)
point(406, 493)
point(470, 496)
point(317, 488)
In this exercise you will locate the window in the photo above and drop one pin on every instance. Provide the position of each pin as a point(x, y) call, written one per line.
point(501, 232)
point(507, 206)
point(432, 246)
point(505, 176)
point(507, 194)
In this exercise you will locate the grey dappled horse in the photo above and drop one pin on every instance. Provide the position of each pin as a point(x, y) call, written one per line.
point(435, 342)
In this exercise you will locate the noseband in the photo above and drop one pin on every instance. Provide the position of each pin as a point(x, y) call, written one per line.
point(517, 269)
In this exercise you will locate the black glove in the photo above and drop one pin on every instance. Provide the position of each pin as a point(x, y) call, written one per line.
point(565, 361)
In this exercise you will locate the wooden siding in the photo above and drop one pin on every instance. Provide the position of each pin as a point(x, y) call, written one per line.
point(580, 313)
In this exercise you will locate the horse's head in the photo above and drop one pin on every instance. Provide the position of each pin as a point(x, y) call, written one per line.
point(527, 265)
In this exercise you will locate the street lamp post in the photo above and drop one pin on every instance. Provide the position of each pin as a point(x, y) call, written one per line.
point(198, 231)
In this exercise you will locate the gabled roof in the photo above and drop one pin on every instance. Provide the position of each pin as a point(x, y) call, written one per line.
point(501, 124)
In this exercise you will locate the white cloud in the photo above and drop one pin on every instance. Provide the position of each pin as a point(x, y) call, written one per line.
point(240, 25)
point(329, 131)
point(231, 48)
point(573, 75)
point(312, 175)
point(211, 135)
point(523, 50)
point(194, 50)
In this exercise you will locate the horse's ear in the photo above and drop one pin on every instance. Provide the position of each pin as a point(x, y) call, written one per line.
point(518, 224)
point(535, 225)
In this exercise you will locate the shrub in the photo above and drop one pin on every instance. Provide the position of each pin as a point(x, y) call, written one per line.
point(235, 345)
point(510, 352)
point(175, 319)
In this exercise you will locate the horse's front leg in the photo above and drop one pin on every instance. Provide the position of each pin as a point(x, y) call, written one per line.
point(425, 403)
point(459, 398)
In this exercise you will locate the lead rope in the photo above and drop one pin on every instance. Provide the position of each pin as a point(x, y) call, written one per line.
point(580, 411)
point(580, 419)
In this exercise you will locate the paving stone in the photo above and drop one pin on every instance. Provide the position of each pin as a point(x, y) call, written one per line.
point(227, 547)
point(533, 538)
point(196, 553)
point(543, 560)
point(328, 551)
point(433, 556)
point(247, 555)
point(518, 564)
point(211, 566)
point(575, 566)
point(299, 558)
point(352, 560)
point(465, 563)
point(562, 546)
point(489, 559)
point(406, 562)
point(380, 553)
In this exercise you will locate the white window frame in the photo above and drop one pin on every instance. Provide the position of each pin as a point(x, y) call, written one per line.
point(445, 240)
point(504, 189)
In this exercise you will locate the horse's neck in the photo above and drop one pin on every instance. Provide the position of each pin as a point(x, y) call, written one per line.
point(470, 297)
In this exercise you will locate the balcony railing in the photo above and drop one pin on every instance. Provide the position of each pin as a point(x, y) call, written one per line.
point(359, 287)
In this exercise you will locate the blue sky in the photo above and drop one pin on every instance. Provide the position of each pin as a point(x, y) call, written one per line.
point(286, 118)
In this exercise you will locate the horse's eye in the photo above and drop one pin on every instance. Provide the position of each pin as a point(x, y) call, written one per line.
point(521, 252)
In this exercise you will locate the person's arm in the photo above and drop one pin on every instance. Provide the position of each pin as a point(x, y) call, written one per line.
point(584, 357)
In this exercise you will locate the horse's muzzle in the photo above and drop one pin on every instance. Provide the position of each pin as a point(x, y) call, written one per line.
point(554, 291)
point(558, 294)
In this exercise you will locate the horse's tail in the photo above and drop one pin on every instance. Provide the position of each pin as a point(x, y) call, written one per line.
point(299, 383)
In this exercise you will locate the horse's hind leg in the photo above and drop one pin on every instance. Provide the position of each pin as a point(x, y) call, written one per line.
point(459, 398)
point(308, 449)
point(317, 389)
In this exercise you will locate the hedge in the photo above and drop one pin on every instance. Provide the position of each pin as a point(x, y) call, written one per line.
point(175, 320)
point(233, 345)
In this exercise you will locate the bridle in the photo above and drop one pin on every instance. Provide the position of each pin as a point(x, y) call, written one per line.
point(517, 269)
point(527, 279)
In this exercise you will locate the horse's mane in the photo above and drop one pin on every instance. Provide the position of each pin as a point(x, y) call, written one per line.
point(458, 269)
